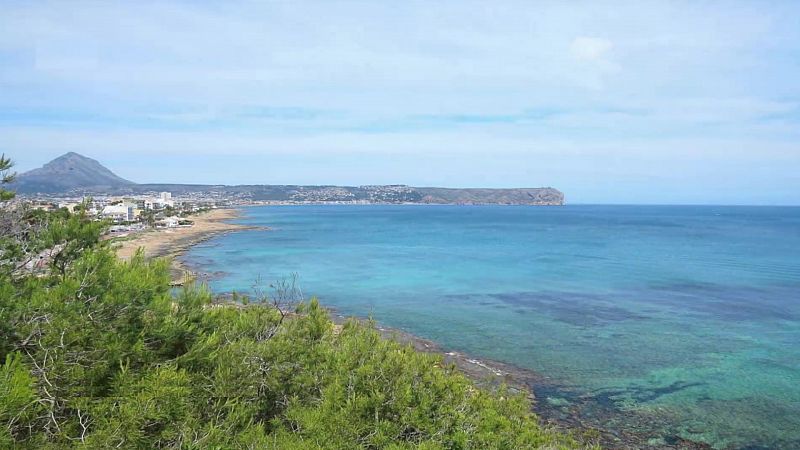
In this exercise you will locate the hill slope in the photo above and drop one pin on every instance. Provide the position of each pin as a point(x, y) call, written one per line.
point(69, 172)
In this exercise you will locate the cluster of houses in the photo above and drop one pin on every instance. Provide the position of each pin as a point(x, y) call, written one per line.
point(130, 210)
point(134, 213)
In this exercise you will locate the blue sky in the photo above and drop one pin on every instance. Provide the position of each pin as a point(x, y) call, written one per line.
point(611, 102)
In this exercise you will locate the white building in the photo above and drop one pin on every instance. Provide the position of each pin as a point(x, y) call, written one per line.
point(169, 222)
point(124, 212)
point(162, 201)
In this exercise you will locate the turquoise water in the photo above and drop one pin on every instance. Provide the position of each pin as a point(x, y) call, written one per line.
point(684, 321)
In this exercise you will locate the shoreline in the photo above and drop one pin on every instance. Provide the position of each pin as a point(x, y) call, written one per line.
point(556, 404)
point(173, 243)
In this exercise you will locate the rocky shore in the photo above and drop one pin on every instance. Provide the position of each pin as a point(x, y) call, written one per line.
point(557, 404)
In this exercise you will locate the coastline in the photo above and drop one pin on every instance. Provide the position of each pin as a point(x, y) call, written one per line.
point(172, 243)
point(557, 405)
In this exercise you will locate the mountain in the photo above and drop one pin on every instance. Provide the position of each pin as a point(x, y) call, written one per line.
point(69, 172)
point(75, 175)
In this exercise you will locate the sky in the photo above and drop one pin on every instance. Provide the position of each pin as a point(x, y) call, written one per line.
point(610, 102)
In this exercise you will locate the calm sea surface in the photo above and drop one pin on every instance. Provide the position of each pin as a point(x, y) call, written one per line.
point(683, 320)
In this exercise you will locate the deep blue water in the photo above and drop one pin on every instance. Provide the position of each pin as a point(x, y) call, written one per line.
point(685, 318)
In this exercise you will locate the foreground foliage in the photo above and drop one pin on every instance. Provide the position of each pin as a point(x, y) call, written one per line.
point(100, 353)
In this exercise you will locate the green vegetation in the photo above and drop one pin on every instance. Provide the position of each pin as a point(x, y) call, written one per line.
point(6, 176)
point(100, 353)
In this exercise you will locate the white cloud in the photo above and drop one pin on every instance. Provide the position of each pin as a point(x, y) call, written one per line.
point(591, 49)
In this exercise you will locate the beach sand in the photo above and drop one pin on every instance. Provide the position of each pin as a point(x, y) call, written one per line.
point(173, 242)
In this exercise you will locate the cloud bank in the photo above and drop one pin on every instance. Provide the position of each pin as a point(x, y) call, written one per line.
point(673, 102)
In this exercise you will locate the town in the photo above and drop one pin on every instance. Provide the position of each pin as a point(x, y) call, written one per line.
point(132, 213)
point(137, 211)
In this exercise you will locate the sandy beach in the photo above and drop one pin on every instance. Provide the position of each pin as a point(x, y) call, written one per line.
point(173, 242)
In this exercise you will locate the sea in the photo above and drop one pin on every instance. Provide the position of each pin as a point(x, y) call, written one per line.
point(669, 323)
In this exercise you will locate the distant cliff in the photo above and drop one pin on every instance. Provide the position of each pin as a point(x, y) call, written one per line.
point(74, 175)
point(470, 196)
